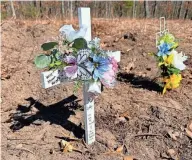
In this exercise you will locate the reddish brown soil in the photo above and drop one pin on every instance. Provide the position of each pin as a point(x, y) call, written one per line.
point(51, 116)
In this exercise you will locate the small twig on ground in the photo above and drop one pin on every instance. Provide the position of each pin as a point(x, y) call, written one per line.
point(70, 138)
point(35, 143)
point(18, 139)
point(23, 149)
point(77, 150)
point(113, 152)
point(147, 134)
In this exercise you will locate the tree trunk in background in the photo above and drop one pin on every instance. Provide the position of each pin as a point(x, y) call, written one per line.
point(13, 9)
point(62, 8)
point(174, 9)
point(120, 11)
point(136, 5)
point(68, 11)
point(182, 10)
point(71, 10)
point(186, 11)
point(146, 5)
point(155, 9)
point(109, 10)
point(35, 3)
point(40, 7)
point(106, 8)
point(179, 9)
point(134, 9)
point(95, 10)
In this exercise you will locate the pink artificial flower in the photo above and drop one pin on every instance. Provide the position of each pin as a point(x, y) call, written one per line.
point(108, 78)
point(114, 63)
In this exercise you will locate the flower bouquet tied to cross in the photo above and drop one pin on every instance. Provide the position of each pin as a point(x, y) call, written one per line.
point(78, 60)
point(170, 61)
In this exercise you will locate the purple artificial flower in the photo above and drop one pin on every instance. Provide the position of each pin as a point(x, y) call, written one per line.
point(71, 70)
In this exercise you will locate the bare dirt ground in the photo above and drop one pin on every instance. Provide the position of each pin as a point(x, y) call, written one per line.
point(134, 113)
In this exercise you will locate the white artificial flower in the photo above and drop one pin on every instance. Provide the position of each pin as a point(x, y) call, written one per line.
point(95, 43)
point(178, 59)
point(71, 34)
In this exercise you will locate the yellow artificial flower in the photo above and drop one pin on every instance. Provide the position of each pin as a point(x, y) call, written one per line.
point(168, 59)
point(172, 82)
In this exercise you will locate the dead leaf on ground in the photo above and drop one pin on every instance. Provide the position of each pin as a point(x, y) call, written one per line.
point(66, 146)
point(188, 132)
point(19, 146)
point(189, 126)
point(125, 115)
point(120, 149)
point(173, 134)
point(128, 158)
point(103, 45)
point(173, 154)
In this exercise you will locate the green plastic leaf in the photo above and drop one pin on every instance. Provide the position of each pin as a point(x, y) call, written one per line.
point(172, 70)
point(48, 46)
point(58, 63)
point(175, 45)
point(79, 43)
point(51, 65)
point(167, 38)
point(42, 61)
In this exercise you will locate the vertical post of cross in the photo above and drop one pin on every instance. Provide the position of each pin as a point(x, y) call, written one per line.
point(162, 29)
point(89, 115)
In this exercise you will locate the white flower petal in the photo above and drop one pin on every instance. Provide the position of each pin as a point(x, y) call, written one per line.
point(77, 34)
point(178, 60)
point(71, 34)
point(66, 30)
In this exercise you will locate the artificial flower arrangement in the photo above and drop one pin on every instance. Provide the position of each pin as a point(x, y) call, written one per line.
point(169, 61)
point(78, 60)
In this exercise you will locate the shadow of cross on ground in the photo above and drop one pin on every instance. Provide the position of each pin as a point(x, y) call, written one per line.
point(139, 81)
point(57, 113)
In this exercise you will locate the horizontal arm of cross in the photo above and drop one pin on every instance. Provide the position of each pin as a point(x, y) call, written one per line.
point(52, 78)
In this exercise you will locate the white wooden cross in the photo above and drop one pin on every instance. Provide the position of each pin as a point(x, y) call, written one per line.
point(51, 78)
point(163, 29)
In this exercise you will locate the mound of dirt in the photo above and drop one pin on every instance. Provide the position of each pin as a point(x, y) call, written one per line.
point(134, 113)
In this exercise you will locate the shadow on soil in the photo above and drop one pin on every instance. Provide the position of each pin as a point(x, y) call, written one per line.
point(139, 82)
point(57, 113)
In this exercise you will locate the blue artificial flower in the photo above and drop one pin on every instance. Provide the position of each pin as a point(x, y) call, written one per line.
point(164, 49)
point(100, 65)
